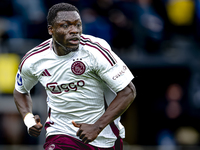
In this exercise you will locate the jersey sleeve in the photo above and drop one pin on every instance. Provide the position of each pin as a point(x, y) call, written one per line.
point(112, 69)
point(25, 80)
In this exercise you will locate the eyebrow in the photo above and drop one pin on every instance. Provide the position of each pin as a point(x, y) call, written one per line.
point(71, 21)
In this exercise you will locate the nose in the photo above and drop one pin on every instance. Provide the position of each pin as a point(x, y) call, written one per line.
point(74, 30)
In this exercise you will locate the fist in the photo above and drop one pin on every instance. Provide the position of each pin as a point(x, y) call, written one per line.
point(36, 129)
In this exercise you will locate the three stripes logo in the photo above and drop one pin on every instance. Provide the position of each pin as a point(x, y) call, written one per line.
point(46, 73)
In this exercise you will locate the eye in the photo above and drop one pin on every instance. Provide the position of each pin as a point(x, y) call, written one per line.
point(65, 25)
point(78, 24)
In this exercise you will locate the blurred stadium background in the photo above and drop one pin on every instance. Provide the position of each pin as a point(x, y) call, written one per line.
point(157, 39)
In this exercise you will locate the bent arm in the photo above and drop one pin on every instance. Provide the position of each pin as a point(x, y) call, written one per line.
point(23, 102)
point(24, 105)
point(118, 106)
point(124, 98)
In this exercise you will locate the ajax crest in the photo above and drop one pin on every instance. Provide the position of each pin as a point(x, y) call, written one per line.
point(78, 67)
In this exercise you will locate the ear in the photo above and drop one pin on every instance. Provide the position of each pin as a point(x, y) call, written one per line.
point(50, 29)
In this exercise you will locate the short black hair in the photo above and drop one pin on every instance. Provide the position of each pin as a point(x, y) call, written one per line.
point(59, 7)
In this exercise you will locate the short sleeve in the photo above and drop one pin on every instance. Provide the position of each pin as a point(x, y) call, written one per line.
point(25, 81)
point(111, 68)
point(118, 76)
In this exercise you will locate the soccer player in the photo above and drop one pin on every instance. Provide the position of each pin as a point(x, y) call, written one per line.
point(87, 84)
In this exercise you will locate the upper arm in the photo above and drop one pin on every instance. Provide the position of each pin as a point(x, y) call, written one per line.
point(18, 95)
point(129, 90)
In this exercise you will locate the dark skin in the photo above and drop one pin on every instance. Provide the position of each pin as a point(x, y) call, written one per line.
point(24, 106)
point(66, 31)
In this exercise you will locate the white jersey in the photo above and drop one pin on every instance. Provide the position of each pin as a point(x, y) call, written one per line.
point(76, 85)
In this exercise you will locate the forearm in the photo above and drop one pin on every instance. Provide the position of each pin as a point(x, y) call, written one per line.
point(23, 102)
point(24, 106)
point(118, 106)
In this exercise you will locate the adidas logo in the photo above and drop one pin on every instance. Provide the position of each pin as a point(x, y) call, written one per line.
point(45, 73)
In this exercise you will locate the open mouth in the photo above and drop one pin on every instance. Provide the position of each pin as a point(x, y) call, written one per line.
point(74, 40)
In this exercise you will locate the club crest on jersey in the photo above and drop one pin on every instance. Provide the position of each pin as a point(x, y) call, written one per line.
point(78, 67)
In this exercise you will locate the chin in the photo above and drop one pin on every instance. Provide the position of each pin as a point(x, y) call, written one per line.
point(72, 49)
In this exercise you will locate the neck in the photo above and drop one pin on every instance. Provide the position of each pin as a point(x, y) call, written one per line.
point(59, 50)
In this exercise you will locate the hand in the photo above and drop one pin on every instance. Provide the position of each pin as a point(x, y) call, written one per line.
point(87, 132)
point(36, 129)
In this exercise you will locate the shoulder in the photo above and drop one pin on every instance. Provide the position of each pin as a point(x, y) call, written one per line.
point(39, 48)
point(99, 48)
point(93, 41)
point(34, 54)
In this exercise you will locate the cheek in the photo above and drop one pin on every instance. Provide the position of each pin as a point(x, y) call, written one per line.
point(60, 34)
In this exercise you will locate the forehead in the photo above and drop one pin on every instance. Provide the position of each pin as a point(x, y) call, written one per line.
point(67, 16)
